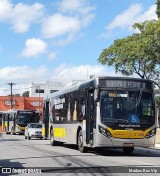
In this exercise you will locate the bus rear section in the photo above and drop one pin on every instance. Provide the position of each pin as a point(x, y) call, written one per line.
point(110, 112)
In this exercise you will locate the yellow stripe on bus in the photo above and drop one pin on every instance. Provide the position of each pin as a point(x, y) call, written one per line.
point(43, 131)
point(128, 134)
point(6, 124)
point(60, 132)
point(21, 128)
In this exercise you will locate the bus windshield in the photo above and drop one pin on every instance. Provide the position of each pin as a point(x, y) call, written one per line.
point(130, 107)
point(27, 118)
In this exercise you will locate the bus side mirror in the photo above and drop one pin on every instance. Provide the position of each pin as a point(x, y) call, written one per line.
point(96, 95)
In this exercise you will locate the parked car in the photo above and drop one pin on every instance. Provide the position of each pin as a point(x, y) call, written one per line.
point(33, 130)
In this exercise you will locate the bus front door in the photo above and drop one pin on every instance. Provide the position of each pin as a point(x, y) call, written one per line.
point(3, 122)
point(7, 123)
point(90, 117)
point(46, 121)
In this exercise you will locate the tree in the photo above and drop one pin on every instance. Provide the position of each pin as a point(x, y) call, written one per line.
point(158, 8)
point(139, 53)
point(25, 94)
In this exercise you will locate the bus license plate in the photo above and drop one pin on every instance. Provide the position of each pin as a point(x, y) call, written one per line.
point(128, 145)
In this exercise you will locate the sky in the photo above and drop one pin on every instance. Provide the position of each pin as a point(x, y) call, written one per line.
point(61, 40)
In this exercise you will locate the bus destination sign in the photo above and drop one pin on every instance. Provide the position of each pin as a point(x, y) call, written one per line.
point(124, 84)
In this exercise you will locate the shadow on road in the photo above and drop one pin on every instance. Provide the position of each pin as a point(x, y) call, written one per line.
point(139, 152)
point(7, 167)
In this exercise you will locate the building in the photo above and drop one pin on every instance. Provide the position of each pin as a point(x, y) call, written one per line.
point(19, 102)
point(43, 90)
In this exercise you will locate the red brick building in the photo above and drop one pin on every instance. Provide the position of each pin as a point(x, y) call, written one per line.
point(18, 102)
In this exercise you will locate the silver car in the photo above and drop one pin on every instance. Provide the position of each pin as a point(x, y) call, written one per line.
point(33, 130)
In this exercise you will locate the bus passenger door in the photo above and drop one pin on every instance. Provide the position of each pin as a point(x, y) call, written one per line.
point(7, 124)
point(46, 120)
point(3, 121)
point(14, 122)
point(90, 117)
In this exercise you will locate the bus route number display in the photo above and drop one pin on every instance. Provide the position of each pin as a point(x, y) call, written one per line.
point(122, 84)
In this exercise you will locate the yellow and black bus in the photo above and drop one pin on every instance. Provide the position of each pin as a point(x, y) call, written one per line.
point(14, 121)
point(114, 112)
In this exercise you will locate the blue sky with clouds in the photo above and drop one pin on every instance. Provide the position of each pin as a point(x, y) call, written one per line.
point(62, 39)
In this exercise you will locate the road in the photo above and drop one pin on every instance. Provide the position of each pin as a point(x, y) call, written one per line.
point(15, 151)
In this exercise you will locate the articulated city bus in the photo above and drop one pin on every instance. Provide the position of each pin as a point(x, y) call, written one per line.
point(114, 112)
point(14, 121)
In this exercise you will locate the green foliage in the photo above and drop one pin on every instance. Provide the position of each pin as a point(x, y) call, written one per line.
point(158, 8)
point(25, 94)
point(139, 53)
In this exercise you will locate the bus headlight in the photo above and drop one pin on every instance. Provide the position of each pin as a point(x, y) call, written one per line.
point(105, 132)
point(151, 133)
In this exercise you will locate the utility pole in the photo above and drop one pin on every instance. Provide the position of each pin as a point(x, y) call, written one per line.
point(38, 88)
point(11, 101)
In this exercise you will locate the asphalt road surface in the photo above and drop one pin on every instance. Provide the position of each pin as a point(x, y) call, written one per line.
point(36, 156)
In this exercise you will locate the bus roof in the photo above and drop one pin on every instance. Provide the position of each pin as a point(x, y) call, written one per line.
point(91, 83)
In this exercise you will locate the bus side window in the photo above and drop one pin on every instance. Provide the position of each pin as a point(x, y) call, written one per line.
point(82, 109)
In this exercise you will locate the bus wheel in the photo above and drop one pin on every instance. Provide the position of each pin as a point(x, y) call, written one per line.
point(128, 150)
point(52, 142)
point(80, 142)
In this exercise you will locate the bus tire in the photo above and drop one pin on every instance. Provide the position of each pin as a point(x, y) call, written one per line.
point(52, 141)
point(128, 150)
point(81, 146)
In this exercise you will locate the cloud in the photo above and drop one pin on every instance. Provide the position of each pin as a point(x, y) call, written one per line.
point(58, 25)
point(71, 17)
point(126, 19)
point(67, 40)
point(22, 76)
point(76, 6)
point(150, 14)
point(21, 15)
point(81, 72)
point(64, 71)
point(52, 56)
point(34, 47)
point(72, 6)
point(22, 73)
